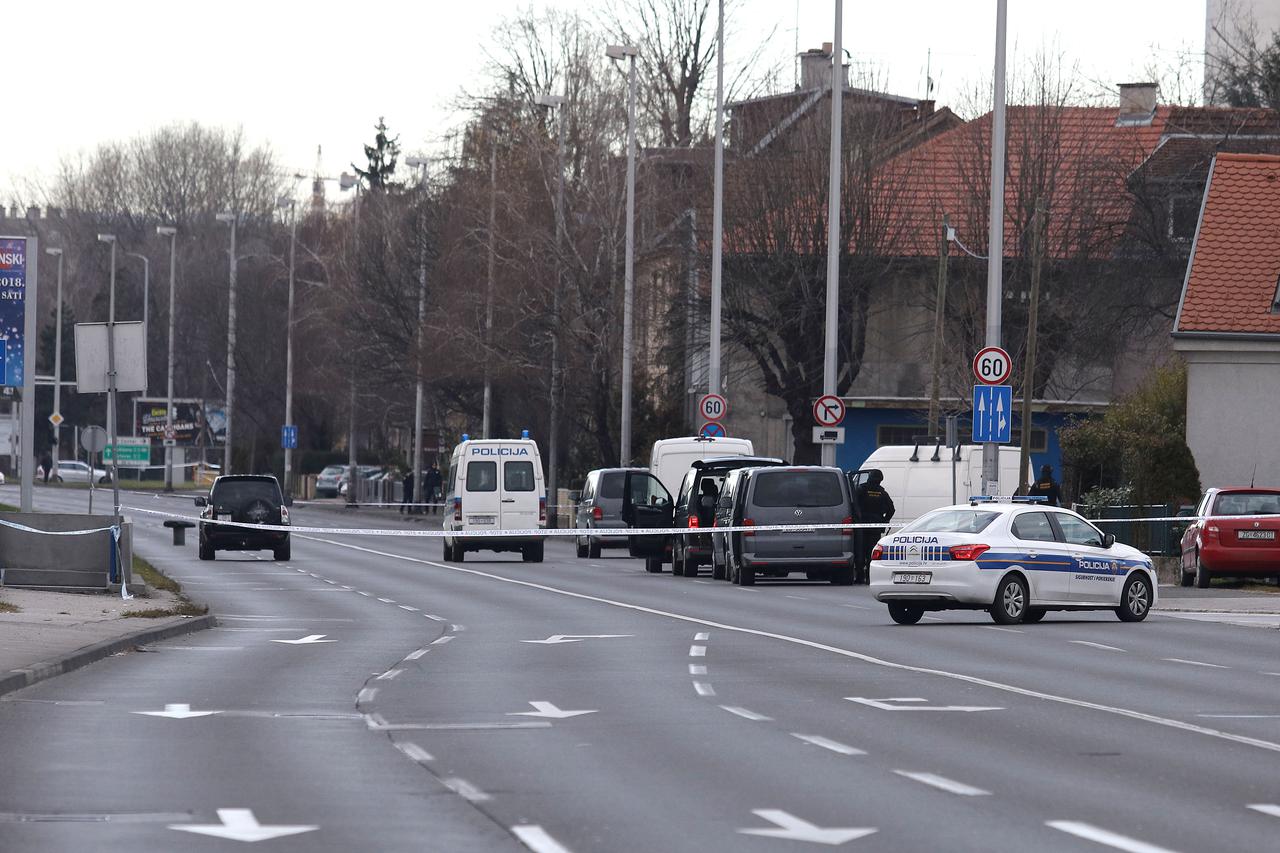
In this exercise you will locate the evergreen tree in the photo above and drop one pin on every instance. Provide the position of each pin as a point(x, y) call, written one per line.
point(382, 156)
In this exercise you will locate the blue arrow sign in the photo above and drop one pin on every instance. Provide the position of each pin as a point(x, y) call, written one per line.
point(289, 437)
point(992, 413)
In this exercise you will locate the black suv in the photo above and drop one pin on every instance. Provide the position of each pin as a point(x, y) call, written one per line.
point(645, 503)
point(246, 499)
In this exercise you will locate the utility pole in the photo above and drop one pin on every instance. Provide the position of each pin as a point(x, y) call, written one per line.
point(1033, 315)
point(416, 497)
point(833, 221)
point(555, 102)
point(288, 349)
point(172, 233)
point(231, 341)
point(487, 418)
point(57, 366)
point(939, 306)
point(995, 237)
point(112, 439)
point(717, 214)
point(628, 52)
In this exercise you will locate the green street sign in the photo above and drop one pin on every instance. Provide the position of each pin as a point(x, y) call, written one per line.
point(133, 452)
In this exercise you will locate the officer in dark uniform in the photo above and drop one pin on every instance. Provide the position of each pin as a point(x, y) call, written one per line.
point(874, 506)
point(1046, 487)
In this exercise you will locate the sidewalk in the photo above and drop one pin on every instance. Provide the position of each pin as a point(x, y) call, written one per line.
point(1221, 604)
point(56, 632)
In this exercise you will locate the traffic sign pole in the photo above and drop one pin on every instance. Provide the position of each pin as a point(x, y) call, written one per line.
point(995, 236)
point(713, 407)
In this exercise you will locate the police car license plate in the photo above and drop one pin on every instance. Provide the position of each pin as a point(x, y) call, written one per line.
point(482, 519)
point(222, 516)
point(912, 577)
point(1255, 534)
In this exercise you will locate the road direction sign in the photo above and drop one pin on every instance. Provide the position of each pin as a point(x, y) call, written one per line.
point(992, 366)
point(134, 452)
point(828, 410)
point(712, 429)
point(992, 411)
point(713, 407)
point(93, 439)
point(289, 437)
point(56, 419)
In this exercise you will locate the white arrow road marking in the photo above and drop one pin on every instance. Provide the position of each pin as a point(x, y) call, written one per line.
point(826, 743)
point(942, 783)
point(1266, 808)
point(549, 710)
point(557, 639)
point(792, 828)
point(177, 712)
point(1106, 837)
point(536, 839)
point(892, 705)
point(309, 640)
point(241, 825)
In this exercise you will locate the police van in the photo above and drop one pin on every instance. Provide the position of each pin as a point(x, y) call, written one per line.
point(495, 484)
point(1015, 558)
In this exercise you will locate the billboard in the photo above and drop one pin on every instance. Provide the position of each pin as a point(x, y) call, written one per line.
point(196, 423)
point(13, 305)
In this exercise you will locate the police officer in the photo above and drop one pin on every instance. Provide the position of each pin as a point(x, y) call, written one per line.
point(1046, 487)
point(431, 483)
point(406, 499)
point(874, 506)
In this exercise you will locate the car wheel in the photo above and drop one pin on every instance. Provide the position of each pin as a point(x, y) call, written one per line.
point(905, 614)
point(653, 565)
point(677, 561)
point(1034, 614)
point(281, 554)
point(593, 548)
point(1185, 578)
point(1203, 577)
point(1010, 606)
point(840, 576)
point(582, 549)
point(206, 552)
point(746, 575)
point(532, 553)
point(1135, 600)
point(717, 569)
point(447, 550)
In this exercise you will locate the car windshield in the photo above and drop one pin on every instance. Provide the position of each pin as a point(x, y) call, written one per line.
point(798, 488)
point(241, 492)
point(332, 470)
point(1247, 503)
point(952, 521)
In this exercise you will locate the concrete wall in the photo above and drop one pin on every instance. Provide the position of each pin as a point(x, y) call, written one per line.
point(1233, 410)
point(60, 562)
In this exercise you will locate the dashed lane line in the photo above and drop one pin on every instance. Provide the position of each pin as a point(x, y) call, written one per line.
point(1196, 663)
point(466, 790)
point(998, 628)
point(407, 607)
point(1266, 808)
point(414, 655)
point(389, 674)
point(828, 744)
point(703, 689)
point(702, 635)
point(942, 783)
point(697, 651)
point(537, 839)
point(414, 752)
point(696, 669)
point(1105, 837)
point(387, 600)
point(746, 714)
point(440, 641)
point(1102, 646)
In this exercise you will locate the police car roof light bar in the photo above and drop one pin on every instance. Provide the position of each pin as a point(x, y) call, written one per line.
point(466, 437)
point(524, 433)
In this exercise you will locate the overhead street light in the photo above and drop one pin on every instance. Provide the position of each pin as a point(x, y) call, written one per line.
point(111, 381)
point(57, 363)
point(172, 233)
point(416, 498)
point(555, 102)
point(630, 52)
point(230, 219)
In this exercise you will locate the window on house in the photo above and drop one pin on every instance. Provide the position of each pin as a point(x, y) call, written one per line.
point(1184, 214)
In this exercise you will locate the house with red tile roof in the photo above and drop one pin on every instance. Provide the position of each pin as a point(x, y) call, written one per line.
point(1227, 327)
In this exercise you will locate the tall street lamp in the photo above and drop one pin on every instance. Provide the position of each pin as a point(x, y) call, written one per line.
point(833, 221)
point(169, 437)
point(555, 102)
point(111, 383)
point(146, 302)
point(627, 51)
point(291, 203)
point(348, 182)
point(487, 410)
point(995, 234)
point(231, 219)
point(417, 497)
point(717, 215)
point(57, 363)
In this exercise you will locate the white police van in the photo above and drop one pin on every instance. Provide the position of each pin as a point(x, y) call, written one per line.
point(1015, 558)
point(495, 484)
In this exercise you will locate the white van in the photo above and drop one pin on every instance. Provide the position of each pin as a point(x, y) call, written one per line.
point(495, 484)
point(919, 478)
point(672, 458)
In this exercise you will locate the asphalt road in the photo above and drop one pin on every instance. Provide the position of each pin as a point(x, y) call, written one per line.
point(422, 716)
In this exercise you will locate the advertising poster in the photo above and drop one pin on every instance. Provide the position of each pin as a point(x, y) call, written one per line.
point(13, 304)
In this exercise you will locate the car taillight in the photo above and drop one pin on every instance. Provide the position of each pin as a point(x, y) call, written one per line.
point(877, 552)
point(746, 522)
point(457, 509)
point(967, 553)
point(284, 515)
point(542, 510)
point(848, 531)
point(693, 521)
point(1213, 531)
point(597, 513)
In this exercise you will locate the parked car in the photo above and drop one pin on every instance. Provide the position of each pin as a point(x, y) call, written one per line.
point(329, 480)
point(695, 509)
point(245, 499)
point(599, 507)
point(75, 471)
point(788, 495)
point(1236, 533)
point(364, 472)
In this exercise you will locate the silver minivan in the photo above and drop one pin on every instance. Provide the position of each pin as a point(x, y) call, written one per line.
point(599, 507)
point(792, 495)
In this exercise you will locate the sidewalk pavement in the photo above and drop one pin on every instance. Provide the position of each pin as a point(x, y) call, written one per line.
point(56, 632)
point(1221, 604)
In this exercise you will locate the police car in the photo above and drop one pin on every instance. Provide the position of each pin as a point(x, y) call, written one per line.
point(1015, 558)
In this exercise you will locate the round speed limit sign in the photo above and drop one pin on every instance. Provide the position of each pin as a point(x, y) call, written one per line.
point(992, 366)
point(713, 407)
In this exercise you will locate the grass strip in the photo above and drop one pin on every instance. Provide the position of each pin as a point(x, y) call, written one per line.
point(157, 579)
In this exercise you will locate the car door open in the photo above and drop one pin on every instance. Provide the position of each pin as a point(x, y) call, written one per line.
point(646, 503)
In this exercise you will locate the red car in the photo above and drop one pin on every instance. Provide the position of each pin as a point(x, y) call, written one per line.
point(1237, 534)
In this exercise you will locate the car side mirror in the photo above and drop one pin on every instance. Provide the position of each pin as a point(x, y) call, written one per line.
point(1108, 539)
point(202, 501)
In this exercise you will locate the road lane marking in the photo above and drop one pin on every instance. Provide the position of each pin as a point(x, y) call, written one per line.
point(389, 674)
point(416, 654)
point(697, 651)
point(387, 600)
point(466, 790)
point(407, 607)
point(791, 828)
point(414, 752)
point(746, 713)
point(536, 839)
point(703, 689)
point(1105, 837)
point(695, 669)
point(703, 582)
point(1139, 716)
point(1266, 808)
point(362, 592)
point(855, 606)
point(942, 783)
point(457, 628)
point(998, 628)
point(1241, 716)
point(893, 705)
point(702, 635)
point(1102, 646)
point(440, 641)
point(366, 694)
point(433, 617)
point(797, 597)
point(828, 744)
point(1196, 663)
point(326, 580)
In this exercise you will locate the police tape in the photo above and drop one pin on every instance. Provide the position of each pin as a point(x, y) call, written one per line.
point(13, 525)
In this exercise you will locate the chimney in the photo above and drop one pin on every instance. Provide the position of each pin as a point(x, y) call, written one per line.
point(33, 212)
point(925, 107)
point(1137, 104)
point(815, 68)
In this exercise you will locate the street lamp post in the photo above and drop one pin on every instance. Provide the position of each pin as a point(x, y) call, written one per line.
point(111, 385)
point(833, 222)
point(995, 236)
point(231, 219)
point(555, 102)
point(417, 497)
point(630, 52)
point(347, 182)
point(486, 418)
point(172, 233)
point(717, 215)
point(57, 364)
point(291, 203)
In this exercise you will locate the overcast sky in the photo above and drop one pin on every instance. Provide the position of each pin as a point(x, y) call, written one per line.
point(298, 74)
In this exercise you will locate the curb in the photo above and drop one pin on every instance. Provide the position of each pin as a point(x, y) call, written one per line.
point(17, 679)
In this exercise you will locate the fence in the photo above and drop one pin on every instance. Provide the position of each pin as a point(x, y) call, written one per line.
point(1156, 538)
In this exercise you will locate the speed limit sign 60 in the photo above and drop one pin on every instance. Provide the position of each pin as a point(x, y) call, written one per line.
point(992, 366)
point(713, 407)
